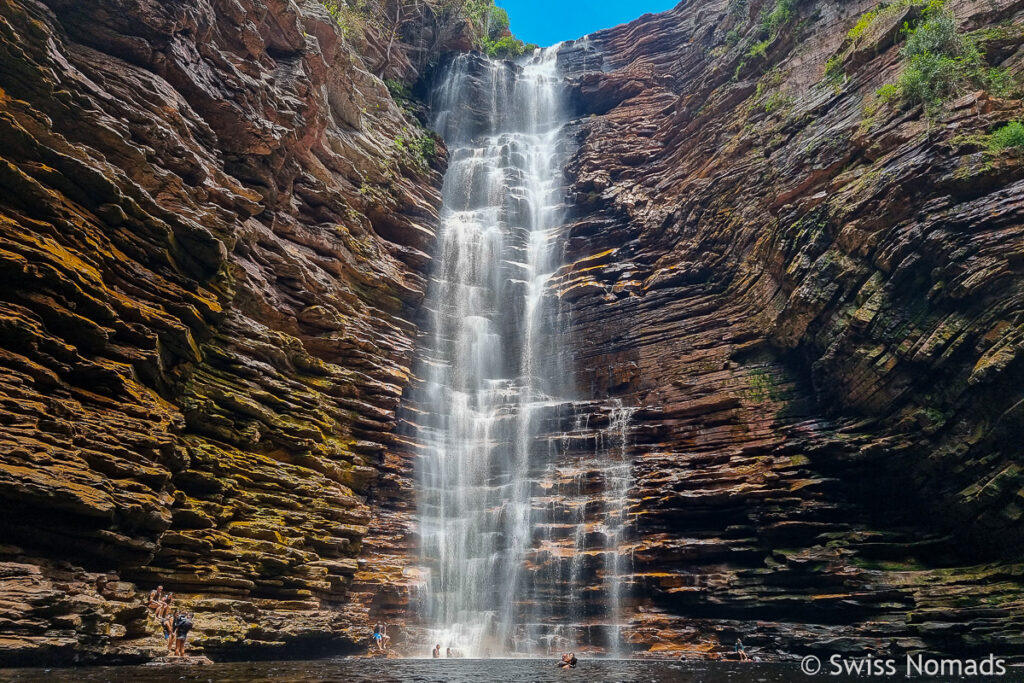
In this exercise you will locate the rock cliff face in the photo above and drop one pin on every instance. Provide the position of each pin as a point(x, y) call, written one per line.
point(215, 224)
point(213, 233)
point(815, 300)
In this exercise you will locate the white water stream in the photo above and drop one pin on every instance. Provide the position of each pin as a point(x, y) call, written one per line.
point(506, 505)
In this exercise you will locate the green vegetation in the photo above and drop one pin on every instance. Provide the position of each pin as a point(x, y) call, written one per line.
point(777, 101)
point(763, 387)
point(1010, 136)
point(862, 25)
point(490, 23)
point(940, 63)
point(403, 97)
point(507, 47)
point(890, 8)
point(334, 7)
point(493, 25)
point(350, 15)
point(936, 34)
point(889, 92)
point(494, 20)
point(732, 38)
point(768, 97)
point(738, 8)
point(773, 19)
point(420, 148)
point(778, 16)
point(760, 48)
point(399, 91)
point(834, 73)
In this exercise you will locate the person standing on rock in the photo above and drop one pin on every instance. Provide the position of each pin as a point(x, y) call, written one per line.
point(168, 626)
point(181, 632)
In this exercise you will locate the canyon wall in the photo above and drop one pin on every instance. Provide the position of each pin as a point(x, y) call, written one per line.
point(214, 227)
point(815, 299)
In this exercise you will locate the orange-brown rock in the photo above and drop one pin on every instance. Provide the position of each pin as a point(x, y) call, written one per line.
point(213, 236)
point(815, 300)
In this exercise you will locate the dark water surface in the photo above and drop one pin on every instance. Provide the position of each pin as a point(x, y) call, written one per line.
point(455, 671)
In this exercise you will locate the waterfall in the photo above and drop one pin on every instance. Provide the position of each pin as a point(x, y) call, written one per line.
point(618, 479)
point(503, 511)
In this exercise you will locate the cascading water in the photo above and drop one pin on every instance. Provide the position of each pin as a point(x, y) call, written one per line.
point(502, 506)
point(614, 445)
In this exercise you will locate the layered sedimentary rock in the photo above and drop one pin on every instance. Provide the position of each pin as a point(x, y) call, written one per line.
point(814, 300)
point(214, 227)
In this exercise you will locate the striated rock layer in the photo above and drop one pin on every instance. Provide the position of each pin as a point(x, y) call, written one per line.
point(815, 301)
point(214, 228)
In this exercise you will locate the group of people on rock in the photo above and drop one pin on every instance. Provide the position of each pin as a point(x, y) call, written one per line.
point(568, 660)
point(176, 625)
point(381, 640)
point(159, 603)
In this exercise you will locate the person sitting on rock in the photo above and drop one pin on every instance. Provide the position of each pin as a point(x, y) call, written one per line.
point(385, 639)
point(181, 632)
point(437, 651)
point(155, 596)
point(165, 605)
point(741, 651)
point(378, 638)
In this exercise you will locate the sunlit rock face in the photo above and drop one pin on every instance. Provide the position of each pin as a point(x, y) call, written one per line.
point(814, 300)
point(212, 247)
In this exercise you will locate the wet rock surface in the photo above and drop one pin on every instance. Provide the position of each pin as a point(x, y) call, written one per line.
point(814, 300)
point(213, 235)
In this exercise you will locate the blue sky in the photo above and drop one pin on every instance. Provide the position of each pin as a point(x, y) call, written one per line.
point(546, 22)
